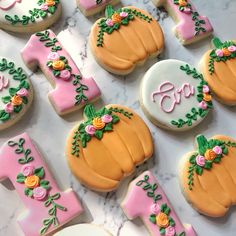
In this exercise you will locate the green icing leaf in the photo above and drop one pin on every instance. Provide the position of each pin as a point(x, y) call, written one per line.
point(152, 218)
point(28, 192)
point(202, 144)
point(39, 172)
point(20, 178)
point(199, 170)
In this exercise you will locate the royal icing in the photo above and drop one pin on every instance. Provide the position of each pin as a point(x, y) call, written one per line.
point(208, 177)
point(7, 5)
point(191, 26)
point(146, 199)
point(47, 208)
point(16, 93)
point(174, 95)
point(218, 68)
point(106, 147)
point(71, 90)
point(118, 43)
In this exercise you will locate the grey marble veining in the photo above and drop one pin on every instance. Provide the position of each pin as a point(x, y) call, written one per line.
point(103, 208)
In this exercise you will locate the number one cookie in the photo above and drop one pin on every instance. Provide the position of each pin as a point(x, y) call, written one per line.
point(47, 208)
point(146, 199)
point(72, 90)
point(191, 26)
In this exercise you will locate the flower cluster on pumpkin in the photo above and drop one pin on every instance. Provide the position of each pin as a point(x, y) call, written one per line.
point(225, 51)
point(46, 4)
point(206, 97)
point(116, 18)
point(184, 6)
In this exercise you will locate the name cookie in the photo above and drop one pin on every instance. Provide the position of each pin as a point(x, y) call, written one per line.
point(174, 95)
point(107, 146)
point(71, 90)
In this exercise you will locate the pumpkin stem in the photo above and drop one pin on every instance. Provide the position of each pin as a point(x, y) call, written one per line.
point(202, 144)
point(217, 43)
point(109, 11)
point(90, 111)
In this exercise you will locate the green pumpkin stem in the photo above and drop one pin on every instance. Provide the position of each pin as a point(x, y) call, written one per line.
point(90, 111)
point(109, 11)
point(217, 43)
point(202, 144)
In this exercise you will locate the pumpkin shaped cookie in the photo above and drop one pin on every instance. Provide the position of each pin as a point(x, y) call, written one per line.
point(125, 38)
point(208, 176)
point(219, 69)
point(106, 147)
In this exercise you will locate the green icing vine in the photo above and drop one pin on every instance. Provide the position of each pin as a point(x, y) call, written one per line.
point(97, 123)
point(202, 97)
point(222, 52)
point(186, 7)
point(45, 8)
point(17, 97)
point(60, 67)
point(209, 152)
point(115, 19)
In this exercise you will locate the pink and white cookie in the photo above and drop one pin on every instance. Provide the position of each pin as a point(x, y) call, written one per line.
point(71, 90)
point(28, 16)
point(146, 199)
point(191, 26)
point(46, 207)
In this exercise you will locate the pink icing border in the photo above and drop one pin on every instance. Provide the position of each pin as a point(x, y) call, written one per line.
point(8, 7)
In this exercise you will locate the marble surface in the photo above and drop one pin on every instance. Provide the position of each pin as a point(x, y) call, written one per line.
point(49, 130)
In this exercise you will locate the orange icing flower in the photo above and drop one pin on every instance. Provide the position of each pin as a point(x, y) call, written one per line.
point(226, 52)
point(207, 97)
point(98, 123)
point(58, 65)
point(16, 100)
point(50, 2)
point(183, 3)
point(32, 181)
point(162, 220)
point(116, 18)
point(210, 155)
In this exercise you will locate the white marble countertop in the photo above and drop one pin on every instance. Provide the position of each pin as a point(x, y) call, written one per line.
point(49, 130)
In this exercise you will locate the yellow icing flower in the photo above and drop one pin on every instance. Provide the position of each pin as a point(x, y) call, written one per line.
point(207, 97)
point(183, 3)
point(32, 181)
point(116, 18)
point(210, 155)
point(50, 2)
point(98, 123)
point(226, 52)
point(58, 65)
point(16, 100)
point(162, 220)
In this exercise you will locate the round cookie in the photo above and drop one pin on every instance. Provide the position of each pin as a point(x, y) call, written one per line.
point(16, 93)
point(82, 230)
point(124, 39)
point(107, 146)
point(219, 69)
point(208, 177)
point(174, 95)
point(28, 16)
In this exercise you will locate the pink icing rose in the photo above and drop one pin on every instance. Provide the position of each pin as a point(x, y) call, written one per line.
point(205, 89)
point(219, 53)
point(53, 56)
point(232, 48)
point(9, 108)
point(107, 119)
point(155, 209)
point(187, 10)
point(123, 14)
point(27, 170)
point(217, 150)
point(44, 7)
point(200, 160)
point(109, 22)
point(39, 193)
point(170, 231)
point(90, 129)
point(65, 75)
point(23, 92)
point(203, 105)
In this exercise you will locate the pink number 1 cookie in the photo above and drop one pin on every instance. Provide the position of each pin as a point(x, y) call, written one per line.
point(72, 90)
point(47, 208)
point(146, 199)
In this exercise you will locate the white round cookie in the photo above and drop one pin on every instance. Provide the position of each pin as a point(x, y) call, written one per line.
point(28, 16)
point(174, 95)
point(82, 230)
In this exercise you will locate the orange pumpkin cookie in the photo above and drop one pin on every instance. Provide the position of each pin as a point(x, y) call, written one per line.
point(125, 38)
point(106, 147)
point(208, 176)
point(219, 69)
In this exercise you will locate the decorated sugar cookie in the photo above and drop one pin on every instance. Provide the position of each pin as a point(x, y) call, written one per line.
point(191, 26)
point(71, 90)
point(91, 7)
point(125, 38)
point(46, 207)
point(107, 146)
point(146, 199)
point(83, 229)
point(28, 16)
point(219, 69)
point(174, 95)
point(16, 93)
point(207, 175)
